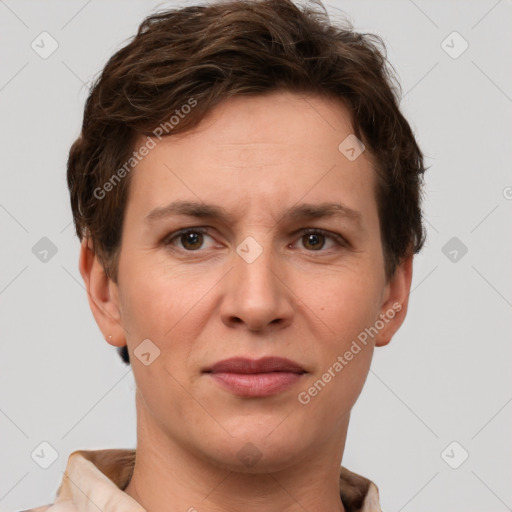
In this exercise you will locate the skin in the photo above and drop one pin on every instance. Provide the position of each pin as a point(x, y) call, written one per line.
point(255, 157)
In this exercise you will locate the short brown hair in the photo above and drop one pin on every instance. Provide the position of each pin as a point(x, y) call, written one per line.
point(203, 55)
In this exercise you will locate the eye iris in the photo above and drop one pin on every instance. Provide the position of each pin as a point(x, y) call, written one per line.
point(315, 241)
point(192, 240)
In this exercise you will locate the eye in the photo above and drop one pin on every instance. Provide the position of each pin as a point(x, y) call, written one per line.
point(190, 239)
point(314, 239)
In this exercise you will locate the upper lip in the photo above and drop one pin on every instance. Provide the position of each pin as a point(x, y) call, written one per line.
point(262, 365)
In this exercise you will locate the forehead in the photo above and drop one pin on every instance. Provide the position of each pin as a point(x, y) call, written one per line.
point(261, 153)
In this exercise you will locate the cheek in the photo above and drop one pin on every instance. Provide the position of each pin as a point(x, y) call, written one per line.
point(160, 302)
point(347, 302)
point(169, 312)
point(344, 354)
point(347, 306)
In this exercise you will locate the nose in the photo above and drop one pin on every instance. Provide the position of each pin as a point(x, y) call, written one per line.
point(256, 295)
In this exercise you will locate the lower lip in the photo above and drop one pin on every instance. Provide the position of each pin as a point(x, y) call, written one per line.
point(256, 384)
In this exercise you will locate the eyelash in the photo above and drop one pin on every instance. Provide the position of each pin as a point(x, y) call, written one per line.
point(335, 237)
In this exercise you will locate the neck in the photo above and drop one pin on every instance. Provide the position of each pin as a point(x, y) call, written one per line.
point(169, 477)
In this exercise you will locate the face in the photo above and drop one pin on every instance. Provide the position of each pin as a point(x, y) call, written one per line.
point(253, 236)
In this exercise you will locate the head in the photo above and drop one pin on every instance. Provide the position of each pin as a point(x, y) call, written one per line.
point(253, 120)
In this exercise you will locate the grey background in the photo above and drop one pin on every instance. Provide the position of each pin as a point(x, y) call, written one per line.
point(446, 375)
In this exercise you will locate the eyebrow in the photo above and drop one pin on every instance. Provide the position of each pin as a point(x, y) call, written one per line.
point(210, 211)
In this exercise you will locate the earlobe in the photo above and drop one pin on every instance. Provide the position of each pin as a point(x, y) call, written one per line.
point(103, 301)
point(395, 304)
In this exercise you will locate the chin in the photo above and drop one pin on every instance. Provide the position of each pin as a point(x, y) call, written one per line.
point(257, 453)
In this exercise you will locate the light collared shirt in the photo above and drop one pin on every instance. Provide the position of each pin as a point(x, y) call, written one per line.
point(96, 479)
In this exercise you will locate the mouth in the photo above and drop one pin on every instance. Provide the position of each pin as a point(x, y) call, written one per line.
point(256, 377)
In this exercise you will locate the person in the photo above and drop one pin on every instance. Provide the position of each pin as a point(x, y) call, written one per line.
point(247, 195)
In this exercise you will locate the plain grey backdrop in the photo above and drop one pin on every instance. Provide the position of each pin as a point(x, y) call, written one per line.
point(432, 426)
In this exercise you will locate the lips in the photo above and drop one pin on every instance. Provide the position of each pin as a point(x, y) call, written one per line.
point(256, 378)
point(263, 365)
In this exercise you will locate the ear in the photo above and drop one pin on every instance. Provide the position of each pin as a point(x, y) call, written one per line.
point(395, 302)
point(102, 294)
